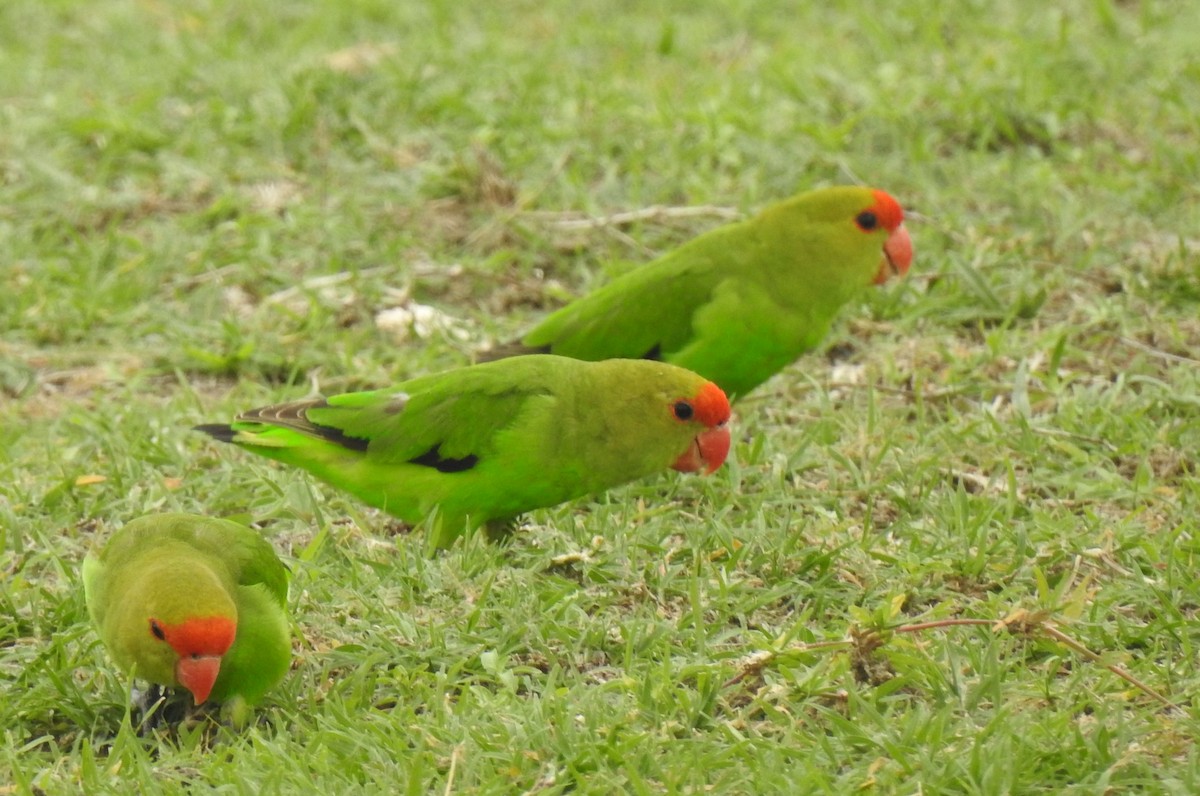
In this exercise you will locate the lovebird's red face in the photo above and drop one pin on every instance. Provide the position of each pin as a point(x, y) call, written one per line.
point(709, 410)
point(200, 643)
point(887, 214)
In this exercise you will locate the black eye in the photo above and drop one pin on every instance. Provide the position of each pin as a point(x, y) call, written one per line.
point(866, 220)
point(157, 631)
point(683, 410)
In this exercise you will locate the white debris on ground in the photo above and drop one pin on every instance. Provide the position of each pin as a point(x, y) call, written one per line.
point(847, 373)
point(360, 57)
point(273, 196)
point(419, 320)
point(401, 319)
point(238, 301)
point(328, 291)
point(844, 377)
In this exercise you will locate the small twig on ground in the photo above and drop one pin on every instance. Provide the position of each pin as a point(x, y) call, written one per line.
point(454, 755)
point(1064, 639)
point(629, 241)
point(1063, 433)
point(927, 395)
point(917, 628)
point(1019, 622)
point(974, 482)
point(1155, 352)
point(1029, 623)
point(324, 280)
point(573, 220)
point(215, 274)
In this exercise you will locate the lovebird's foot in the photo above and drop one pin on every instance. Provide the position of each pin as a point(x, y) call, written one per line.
point(157, 707)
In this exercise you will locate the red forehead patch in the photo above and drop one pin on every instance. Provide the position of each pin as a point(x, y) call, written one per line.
point(712, 407)
point(201, 635)
point(887, 209)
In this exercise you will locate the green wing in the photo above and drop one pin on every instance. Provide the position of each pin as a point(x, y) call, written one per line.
point(251, 557)
point(94, 587)
point(446, 421)
point(649, 313)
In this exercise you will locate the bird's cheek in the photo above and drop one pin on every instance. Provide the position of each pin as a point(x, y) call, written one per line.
point(689, 461)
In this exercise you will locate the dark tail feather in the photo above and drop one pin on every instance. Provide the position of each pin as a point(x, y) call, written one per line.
point(218, 431)
point(506, 350)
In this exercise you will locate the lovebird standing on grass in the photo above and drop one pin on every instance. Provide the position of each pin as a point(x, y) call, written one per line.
point(192, 602)
point(484, 443)
point(738, 304)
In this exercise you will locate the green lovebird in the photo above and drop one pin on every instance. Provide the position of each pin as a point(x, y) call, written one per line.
point(741, 302)
point(487, 442)
point(192, 602)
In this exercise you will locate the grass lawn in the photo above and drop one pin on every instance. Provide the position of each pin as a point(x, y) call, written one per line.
point(206, 207)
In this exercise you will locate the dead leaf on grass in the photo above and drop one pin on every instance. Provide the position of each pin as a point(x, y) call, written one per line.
point(359, 58)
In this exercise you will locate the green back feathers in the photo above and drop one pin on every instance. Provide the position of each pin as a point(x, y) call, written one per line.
point(450, 415)
point(237, 555)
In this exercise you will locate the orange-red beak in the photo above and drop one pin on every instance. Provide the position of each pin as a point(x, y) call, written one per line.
point(707, 451)
point(197, 674)
point(897, 255)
